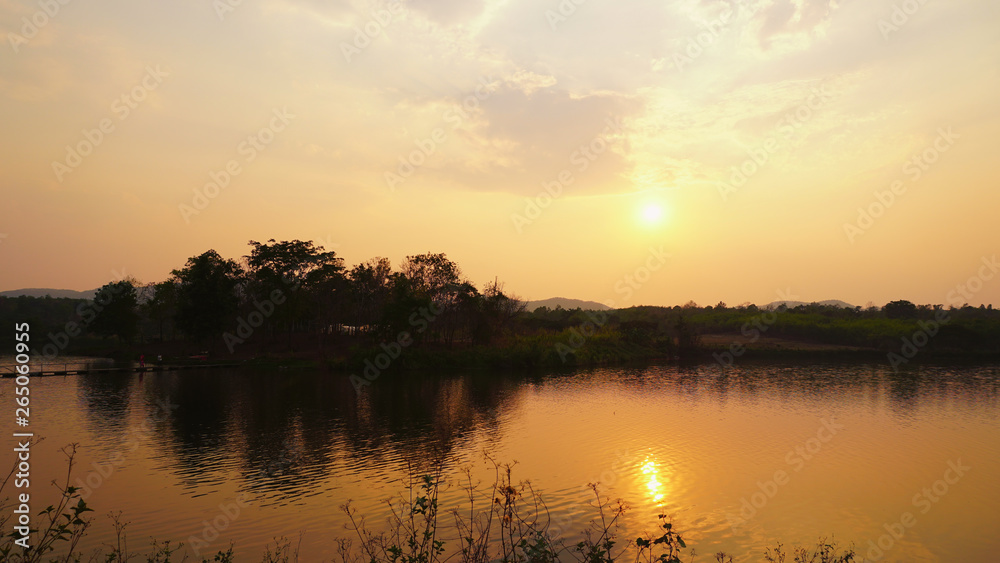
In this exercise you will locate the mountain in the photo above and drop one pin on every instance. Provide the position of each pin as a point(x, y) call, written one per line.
point(794, 304)
point(42, 292)
point(566, 304)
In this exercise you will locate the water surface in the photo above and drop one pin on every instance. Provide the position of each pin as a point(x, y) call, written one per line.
point(739, 460)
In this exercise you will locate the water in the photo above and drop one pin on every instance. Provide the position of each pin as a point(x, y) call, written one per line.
point(768, 453)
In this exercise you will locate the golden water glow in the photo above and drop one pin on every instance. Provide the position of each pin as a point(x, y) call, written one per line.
point(651, 471)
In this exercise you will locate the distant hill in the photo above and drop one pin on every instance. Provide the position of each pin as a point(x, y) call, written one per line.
point(566, 304)
point(794, 304)
point(42, 292)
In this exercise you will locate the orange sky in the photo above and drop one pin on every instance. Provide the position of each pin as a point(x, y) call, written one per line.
point(636, 115)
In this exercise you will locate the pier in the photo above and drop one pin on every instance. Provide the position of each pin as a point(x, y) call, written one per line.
point(55, 369)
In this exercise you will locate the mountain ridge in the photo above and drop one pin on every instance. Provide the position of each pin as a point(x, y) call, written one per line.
point(566, 303)
point(794, 304)
point(551, 303)
point(50, 292)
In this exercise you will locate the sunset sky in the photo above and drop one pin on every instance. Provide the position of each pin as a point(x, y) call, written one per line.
point(638, 116)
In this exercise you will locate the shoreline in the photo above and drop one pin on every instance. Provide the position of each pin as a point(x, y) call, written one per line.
point(714, 351)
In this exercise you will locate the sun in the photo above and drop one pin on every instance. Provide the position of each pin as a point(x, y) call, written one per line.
point(652, 214)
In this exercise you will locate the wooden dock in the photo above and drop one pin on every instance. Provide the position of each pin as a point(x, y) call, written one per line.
point(51, 370)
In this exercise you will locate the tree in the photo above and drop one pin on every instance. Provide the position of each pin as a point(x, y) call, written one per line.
point(161, 307)
point(431, 274)
point(291, 263)
point(688, 341)
point(370, 288)
point(307, 276)
point(461, 313)
point(900, 310)
point(116, 304)
point(499, 311)
point(207, 298)
point(406, 310)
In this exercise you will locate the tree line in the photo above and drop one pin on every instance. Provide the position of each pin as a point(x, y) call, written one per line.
point(304, 299)
point(288, 289)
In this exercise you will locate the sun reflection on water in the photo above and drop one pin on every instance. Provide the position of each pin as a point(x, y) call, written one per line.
point(651, 470)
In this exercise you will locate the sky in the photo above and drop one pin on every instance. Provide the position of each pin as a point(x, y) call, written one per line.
point(624, 152)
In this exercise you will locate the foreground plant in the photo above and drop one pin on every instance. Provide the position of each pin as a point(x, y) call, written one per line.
point(508, 522)
point(63, 524)
point(504, 522)
point(825, 552)
point(669, 544)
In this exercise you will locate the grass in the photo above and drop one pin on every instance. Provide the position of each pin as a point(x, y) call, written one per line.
point(502, 522)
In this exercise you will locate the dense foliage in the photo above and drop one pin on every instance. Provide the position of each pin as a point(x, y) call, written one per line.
point(295, 298)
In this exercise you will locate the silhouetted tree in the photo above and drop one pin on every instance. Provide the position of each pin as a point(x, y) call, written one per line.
point(406, 310)
point(370, 288)
point(435, 278)
point(161, 307)
point(207, 294)
point(900, 310)
point(116, 304)
point(305, 275)
point(498, 311)
point(432, 275)
point(688, 341)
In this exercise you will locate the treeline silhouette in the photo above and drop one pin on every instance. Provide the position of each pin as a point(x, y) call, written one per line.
point(952, 329)
point(291, 290)
point(296, 299)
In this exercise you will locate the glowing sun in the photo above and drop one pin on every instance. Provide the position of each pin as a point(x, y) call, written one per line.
point(652, 214)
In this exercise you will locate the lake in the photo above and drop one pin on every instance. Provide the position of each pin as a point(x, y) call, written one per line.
point(740, 459)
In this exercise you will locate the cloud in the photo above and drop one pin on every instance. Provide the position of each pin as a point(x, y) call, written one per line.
point(525, 131)
point(332, 11)
point(792, 24)
point(449, 12)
